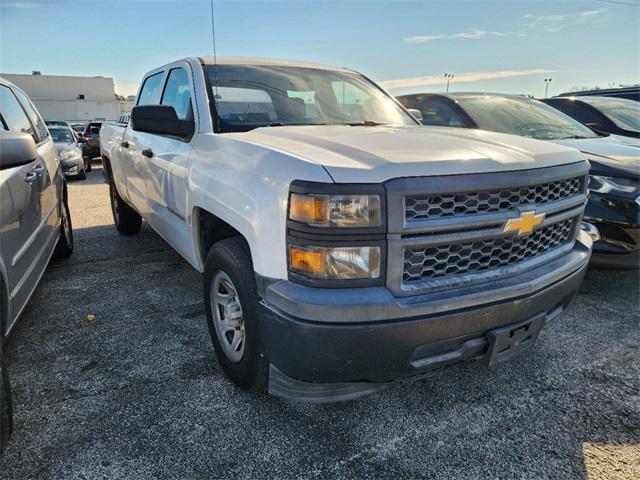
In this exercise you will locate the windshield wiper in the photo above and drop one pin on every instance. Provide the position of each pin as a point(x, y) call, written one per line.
point(575, 137)
point(365, 123)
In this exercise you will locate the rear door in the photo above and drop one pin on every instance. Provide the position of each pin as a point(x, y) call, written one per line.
point(21, 210)
point(137, 167)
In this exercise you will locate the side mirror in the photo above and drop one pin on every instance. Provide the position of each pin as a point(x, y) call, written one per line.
point(16, 149)
point(161, 119)
point(417, 114)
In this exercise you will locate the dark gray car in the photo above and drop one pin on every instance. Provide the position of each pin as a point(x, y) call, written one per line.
point(35, 223)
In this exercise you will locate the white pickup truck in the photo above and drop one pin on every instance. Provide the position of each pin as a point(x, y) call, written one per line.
point(343, 245)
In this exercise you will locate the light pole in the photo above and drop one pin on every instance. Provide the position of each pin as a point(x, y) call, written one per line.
point(547, 81)
point(448, 77)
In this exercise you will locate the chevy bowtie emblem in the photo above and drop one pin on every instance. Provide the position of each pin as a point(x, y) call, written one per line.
point(524, 225)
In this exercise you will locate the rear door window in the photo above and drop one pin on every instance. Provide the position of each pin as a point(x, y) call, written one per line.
point(151, 90)
point(13, 115)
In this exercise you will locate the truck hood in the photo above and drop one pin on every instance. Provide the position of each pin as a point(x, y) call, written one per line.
point(376, 154)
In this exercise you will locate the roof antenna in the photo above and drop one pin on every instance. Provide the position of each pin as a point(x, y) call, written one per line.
point(215, 63)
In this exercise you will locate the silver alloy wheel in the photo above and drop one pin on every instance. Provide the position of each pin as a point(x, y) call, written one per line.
point(227, 316)
point(66, 229)
point(114, 205)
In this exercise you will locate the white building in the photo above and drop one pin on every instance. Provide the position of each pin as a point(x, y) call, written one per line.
point(69, 98)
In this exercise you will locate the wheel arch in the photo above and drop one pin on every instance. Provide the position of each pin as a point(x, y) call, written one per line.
point(210, 228)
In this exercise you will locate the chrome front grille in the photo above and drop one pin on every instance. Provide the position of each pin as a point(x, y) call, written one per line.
point(418, 207)
point(453, 232)
point(463, 257)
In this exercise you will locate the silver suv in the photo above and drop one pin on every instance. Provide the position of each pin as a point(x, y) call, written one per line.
point(35, 223)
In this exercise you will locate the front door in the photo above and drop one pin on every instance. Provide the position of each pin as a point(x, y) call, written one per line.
point(20, 214)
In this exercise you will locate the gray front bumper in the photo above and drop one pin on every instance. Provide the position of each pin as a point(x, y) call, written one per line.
point(348, 305)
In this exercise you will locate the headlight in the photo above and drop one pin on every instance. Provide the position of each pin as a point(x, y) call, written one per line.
point(335, 263)
point(604, 184)
point(342, 211)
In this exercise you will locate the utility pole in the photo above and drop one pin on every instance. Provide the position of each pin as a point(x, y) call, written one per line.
point(448, 77)
point(547, 81)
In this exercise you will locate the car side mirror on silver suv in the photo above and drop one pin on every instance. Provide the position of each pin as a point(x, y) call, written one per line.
point(16, 149)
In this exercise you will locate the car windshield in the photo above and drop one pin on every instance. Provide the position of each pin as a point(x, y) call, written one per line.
point(61, 135)
point(248, 97)
point(624, 113)
point(522, 116)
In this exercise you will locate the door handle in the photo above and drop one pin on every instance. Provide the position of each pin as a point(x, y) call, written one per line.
point(31, 177)
point(38, 169)
point(147, 153)
point(124, 144)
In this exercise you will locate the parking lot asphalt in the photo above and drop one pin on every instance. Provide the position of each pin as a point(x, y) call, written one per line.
point(137, 392)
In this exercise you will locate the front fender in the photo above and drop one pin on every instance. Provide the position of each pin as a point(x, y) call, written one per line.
point(247, 186)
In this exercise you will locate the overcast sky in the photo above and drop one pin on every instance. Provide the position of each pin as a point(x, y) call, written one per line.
point(504, 46)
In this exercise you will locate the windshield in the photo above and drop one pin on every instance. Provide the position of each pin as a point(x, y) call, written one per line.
point(523, 116)
point(61, 135)
point(248, 97)
point(624, 113)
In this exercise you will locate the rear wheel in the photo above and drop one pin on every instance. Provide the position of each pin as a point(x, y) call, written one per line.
point(231, 302)
point(125, 218)
point(64, 248)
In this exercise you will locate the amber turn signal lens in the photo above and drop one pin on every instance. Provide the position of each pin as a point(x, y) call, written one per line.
point(308, 209)
point(308, 261)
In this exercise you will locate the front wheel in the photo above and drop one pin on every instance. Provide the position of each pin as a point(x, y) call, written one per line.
point(231, 302)
point(64, 248)
point(125, 218)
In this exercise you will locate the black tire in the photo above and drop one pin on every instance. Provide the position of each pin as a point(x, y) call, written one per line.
point(88, 166)
point(6, 408)
point(64, 248)
point(82, 175)
point(231, 256)
point(125, 218)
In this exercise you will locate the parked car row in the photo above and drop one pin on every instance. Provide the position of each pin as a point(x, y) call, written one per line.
point(35, 223)
point(614, 205)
